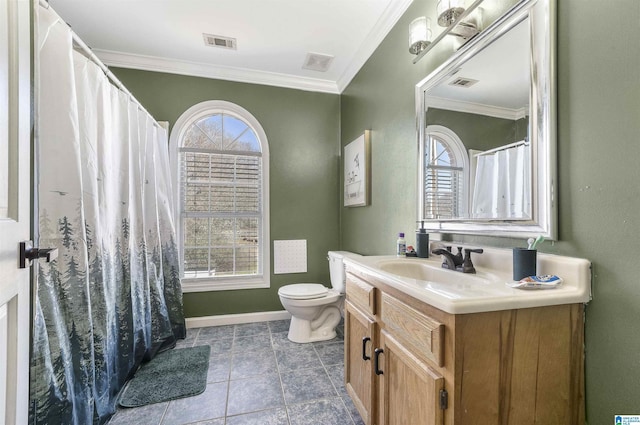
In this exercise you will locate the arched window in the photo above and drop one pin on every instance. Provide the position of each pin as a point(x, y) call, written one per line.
point(445, 175)
point(220, 160)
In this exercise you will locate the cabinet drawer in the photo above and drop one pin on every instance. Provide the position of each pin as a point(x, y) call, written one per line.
point(361, 294)
point(410, 327)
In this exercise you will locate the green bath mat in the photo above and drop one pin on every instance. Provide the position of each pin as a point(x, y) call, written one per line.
point(170, 375)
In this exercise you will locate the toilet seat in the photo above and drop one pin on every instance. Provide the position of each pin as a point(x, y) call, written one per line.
point(303, 291)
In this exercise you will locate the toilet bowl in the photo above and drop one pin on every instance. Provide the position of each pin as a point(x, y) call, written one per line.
point(315, 309)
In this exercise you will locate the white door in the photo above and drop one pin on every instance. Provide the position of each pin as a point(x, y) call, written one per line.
point(15, 216)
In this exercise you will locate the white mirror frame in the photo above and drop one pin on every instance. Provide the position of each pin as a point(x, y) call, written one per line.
point(542, 122)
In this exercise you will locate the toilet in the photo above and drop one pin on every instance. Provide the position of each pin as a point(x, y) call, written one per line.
point(315, 309)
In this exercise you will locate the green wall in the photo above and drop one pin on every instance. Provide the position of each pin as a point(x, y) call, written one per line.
point(303, 132)
point(479, 132)
point(598, 173)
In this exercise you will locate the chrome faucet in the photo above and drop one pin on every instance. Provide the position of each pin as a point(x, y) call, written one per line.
point(457, 262)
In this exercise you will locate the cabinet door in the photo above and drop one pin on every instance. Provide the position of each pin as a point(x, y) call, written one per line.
point(409, 389)
point(360, 341)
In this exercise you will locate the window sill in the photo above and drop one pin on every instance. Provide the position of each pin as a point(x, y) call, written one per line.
point(223, 284)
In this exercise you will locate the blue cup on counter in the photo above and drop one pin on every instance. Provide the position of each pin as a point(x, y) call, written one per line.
point(524, 263)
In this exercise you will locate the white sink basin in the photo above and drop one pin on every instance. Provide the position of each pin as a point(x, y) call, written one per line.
point(461, 293)
point(421, 270)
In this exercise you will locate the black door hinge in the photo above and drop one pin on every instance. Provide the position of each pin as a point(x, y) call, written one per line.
point(444, 399)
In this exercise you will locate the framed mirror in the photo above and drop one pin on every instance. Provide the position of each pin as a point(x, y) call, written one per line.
point(487, 131)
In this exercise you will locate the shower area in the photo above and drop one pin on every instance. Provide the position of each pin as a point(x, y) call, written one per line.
point(112, 297)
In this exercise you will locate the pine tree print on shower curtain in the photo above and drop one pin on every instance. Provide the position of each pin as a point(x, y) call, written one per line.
point(112, 297)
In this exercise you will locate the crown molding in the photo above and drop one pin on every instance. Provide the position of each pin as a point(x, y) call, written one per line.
point(196, 69)
point(476, 108)
point(394, 11)
point(388, 19)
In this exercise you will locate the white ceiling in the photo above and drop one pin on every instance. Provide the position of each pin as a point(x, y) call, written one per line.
point(273, 36)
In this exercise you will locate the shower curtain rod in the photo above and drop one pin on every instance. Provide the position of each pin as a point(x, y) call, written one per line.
point(503, 148)
point(87, 50)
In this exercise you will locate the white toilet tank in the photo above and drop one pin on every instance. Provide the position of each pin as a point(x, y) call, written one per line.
point(336, 270)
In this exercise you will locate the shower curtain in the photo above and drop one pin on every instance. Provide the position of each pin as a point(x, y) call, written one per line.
point(112, 297)
point(503, 184)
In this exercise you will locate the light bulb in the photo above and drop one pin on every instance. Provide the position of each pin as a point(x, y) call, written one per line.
point(419, 34)
point(448, 11)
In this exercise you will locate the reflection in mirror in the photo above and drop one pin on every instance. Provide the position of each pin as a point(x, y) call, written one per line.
point(486, 103)
point(487, 132)
point(446, 171)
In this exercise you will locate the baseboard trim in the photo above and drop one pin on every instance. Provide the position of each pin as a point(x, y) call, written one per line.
point(235, 319)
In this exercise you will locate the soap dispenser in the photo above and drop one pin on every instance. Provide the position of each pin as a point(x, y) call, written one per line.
point(422, 242)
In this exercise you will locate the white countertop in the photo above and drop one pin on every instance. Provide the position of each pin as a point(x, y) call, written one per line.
point(464, 294)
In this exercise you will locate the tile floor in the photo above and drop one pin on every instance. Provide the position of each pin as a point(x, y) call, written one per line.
point(257, 376)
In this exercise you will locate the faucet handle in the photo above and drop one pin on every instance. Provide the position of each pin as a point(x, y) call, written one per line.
point(458, 257)
point(467, 265)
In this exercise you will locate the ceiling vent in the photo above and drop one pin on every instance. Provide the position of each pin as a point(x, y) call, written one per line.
point(317, 62)
point(463, 82)
point(219, 41)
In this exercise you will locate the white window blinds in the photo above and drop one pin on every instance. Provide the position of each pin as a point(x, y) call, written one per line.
point(221, 197)
point(444, 196)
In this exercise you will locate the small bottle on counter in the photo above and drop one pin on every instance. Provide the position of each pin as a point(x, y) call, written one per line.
point(401, 245)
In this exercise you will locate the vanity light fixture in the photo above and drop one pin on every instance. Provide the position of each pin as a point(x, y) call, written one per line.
point(449, 11)
point(463, 23)
point(419, 34)
point(469, 26)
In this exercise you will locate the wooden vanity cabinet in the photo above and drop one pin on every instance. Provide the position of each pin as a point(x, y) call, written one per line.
point(409, 390)
point(361, 338)
point(387, 381)
point(512, 367)
point(360, 341)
